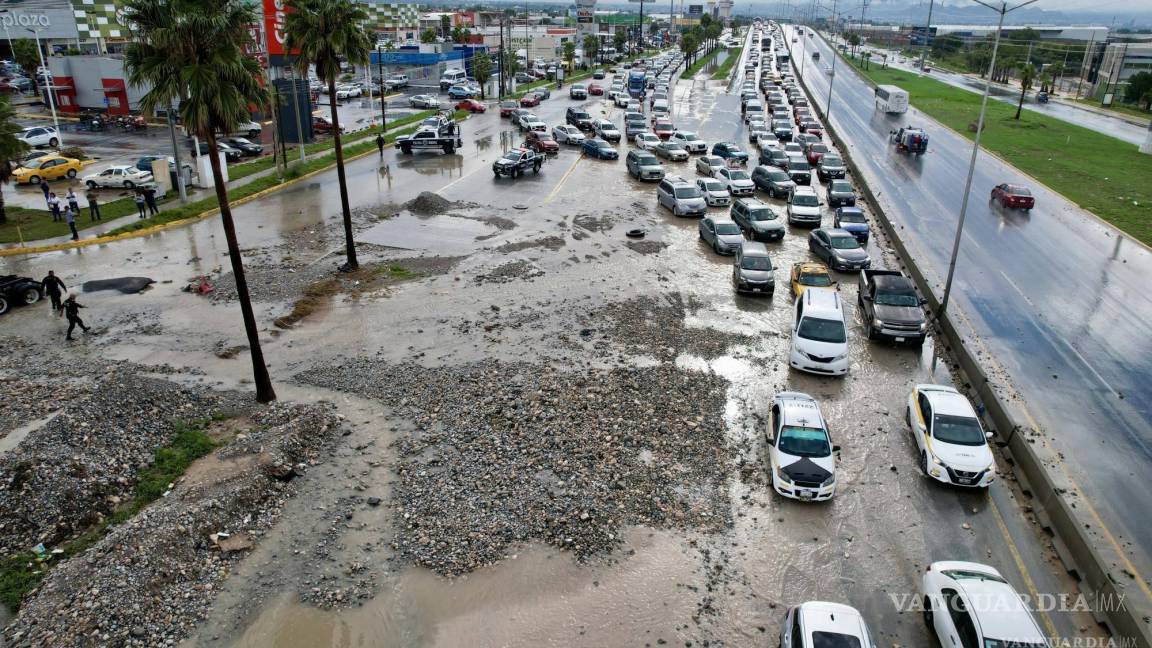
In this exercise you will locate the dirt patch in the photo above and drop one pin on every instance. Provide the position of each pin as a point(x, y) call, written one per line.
point(514, 271)
point(592, 223)
point(551, 243)
point(433, 204)
point(646, 247)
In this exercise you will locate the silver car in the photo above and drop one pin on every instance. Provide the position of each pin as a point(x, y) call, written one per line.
point(671, 151)
point(567, 135)
point(681, 196)
point(752, 269)
point(722, 234)
point(709, 164)
point(424, 101)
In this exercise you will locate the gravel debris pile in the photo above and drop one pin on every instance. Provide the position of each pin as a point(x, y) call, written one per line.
point(511, 453)
point(551, 243)
point(74, 468)
point(152, 579)
point(432, 204)
point(508, 272)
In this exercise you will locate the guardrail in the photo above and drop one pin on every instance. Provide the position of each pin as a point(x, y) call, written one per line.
point(1087, 551)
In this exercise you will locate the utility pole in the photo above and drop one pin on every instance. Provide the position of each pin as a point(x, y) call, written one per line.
point(176, 156)
point(503, 60)
point(831, 77)
point(296, 112)
point(927, 35)
point(380, 71)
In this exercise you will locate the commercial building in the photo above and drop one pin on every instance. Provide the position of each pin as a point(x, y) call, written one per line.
point(1115, 65)
point(1095, 33)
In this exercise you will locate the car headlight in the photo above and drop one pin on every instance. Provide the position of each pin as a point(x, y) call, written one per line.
point(923, 326)
point(782, 476)
point(877, 323)
point(840, 357)
point(935, 459)
point(828, 482)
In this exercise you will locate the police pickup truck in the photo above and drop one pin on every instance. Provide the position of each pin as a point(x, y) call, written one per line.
point(517, 162)
point(435, 133)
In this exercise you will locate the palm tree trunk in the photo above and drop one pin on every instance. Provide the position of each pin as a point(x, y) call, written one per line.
point(350, 263)
point(1020, 104)
point(264, 391)
point(3, 209)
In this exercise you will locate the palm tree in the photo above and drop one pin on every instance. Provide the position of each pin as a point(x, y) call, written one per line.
point(10, 147)
point(570, 55)
point(194, 54)
point(325, 31)
point(1027, 76)
point(591, 47)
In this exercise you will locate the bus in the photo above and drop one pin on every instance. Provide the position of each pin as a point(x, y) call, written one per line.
point(891, 99)
point(637, 82)
point(782, 56)
point(766, 44)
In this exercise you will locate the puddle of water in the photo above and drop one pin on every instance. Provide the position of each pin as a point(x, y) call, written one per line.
point(441, 234)
point(540, 597)
point(14, 437)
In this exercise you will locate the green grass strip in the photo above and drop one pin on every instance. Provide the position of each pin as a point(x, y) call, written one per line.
point(725, 67)
point(1102, 174)
point(700, 63)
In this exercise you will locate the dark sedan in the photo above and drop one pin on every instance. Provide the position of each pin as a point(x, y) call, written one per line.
point(599, 149)
point(243, 145)
point(839, 249)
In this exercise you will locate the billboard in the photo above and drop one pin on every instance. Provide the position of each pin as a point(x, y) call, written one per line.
point(695, 10)
point(51, 19)
point(275, 19)
point(585, 15)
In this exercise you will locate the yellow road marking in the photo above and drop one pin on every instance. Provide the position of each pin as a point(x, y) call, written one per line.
point(1028, 582)
point(564, 179)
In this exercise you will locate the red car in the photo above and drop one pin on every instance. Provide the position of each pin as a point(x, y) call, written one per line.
point(541, 142)
point(815, 152)
point(812, 128)
point(1014, 196)
point(472, 106)
point(530, 100)
point(507, 108)
point(595, 89)
point(663, 128)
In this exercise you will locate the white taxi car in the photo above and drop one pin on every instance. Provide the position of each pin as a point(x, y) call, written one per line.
point(800, 450)
point(969, 604)
point(953, 447)
point(817, 624)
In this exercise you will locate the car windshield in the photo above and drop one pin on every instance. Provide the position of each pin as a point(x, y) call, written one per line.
point(608, 127)
point(778, 176)
point(897, 299)
point(818, 280)
point(831, 160)
point(737, 175)
point(844, 242)
point(1019, 191)
point(689, 137)
point(647, 159)
point(604, 146)
point(512, 156)
point(239, 140)
point(961, 430)
point(727, 228)
point(819, 329)
point(805, 200)
point(580, 115)
point(824, 639)
point(798, 165)
point(756, 263)
point(687, 192)
point(804, 442)
point(34, 164)
point(713, 185)
point(761, 214)
point(841, 186)
point(673, 146)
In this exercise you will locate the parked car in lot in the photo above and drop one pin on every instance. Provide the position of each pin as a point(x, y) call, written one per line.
point(752, 270)
point(43, 169)
point(952, 445)
point(714, 191)
point(566, 134)
point(977, 604)
point(642, 165)
point(773, 181)
point(817, 624)
point(819, 335)
point(670, 150)
point(424, 101)
point(839, 249)
point(124, 176)
point(807, 275)
point(681, 197)
point(39, 136)
point(801, 456)
point(709, 164)
point(16, 290)
point(244, 145)
point(757, 219)
point(722, 234)
point(1013, 196)
point(599, 149)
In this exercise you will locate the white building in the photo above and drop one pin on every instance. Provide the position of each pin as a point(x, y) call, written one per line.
point(1047, 32)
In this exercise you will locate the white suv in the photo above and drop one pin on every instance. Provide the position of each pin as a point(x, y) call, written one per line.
point(40, 136)
point(969, 604)
point(819, 336)
point(817, 624)
point(953, 447)
point(800, 451)
point(690, 141)
point(804, 206)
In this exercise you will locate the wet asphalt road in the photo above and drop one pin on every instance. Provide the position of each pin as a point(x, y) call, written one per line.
point(1056, 298)
point(871, 542)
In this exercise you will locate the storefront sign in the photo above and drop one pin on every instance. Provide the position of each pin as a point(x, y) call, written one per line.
point(51, 19)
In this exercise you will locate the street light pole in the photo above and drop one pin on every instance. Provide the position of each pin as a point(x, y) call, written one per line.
point(927, 31)
point(831, 75)
point(48, 84)
point(380, 72)
point(1003, 9)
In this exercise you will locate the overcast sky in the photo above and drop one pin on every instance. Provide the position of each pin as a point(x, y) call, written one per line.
point(1119, 7)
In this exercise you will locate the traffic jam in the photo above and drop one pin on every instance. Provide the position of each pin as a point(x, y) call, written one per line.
point(781, 186)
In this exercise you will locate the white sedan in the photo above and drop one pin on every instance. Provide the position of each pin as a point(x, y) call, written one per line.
point(568, 135)
point(127, 177)
point(39, 136)
point(424, 101)
point(953, 447)
point(647, 141)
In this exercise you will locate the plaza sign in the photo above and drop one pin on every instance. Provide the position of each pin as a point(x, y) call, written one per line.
point(51, 20)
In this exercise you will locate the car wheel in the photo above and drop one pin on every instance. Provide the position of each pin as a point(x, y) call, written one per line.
point(91, 184)
point(53, 142)
point(128, 184)
point(536, 168)
point(924, 462)
point(30, 296)
point(253, 133)
point(928, 613)
point(496, 174)
point(3, 305)
point(34, 180)
point(71, 173)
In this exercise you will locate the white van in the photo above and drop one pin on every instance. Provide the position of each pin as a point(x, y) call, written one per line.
point(451, 77)
point(891, 99)
point(819, 336)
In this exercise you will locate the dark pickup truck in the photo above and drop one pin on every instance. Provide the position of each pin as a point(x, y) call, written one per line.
point(890, 307)
point(517, 162)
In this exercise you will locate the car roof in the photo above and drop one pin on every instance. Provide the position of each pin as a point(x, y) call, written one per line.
point(811, 266)
point(946, 400)
point(797, 408)
point(804, 189)
point(753, 248)
point(817, 616)
point(822, 302)
point(998, 609)
point(836, 231)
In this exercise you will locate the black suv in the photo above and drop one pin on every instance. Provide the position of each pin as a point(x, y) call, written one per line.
point(799, 169)
point(579, 118)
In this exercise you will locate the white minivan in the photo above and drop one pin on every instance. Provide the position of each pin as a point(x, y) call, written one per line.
point(819, 335)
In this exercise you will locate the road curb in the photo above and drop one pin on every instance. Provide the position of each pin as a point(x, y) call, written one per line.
point(1088, 554)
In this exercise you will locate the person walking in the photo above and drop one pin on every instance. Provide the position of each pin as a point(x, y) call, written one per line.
point(150, 200)
point(45, 189)
point(54, 207)
point(72, 312)
point(380, 144)
point(93, 205)
point(140, 204)
point(73, 201)
point(54, 287)
point(70, 217)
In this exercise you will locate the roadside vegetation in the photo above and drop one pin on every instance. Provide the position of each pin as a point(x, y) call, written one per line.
point(725, 67)
point(1104, 175)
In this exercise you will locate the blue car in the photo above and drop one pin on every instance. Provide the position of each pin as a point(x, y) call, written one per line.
point(852, 220)
point(600, 149)
point(462, 92)
point(728, 150)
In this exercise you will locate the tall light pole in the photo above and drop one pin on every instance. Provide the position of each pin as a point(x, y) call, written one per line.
point(48, 85)
point(831, 75)
point(1002, 9)
point(380, 72)
point(927, 32)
